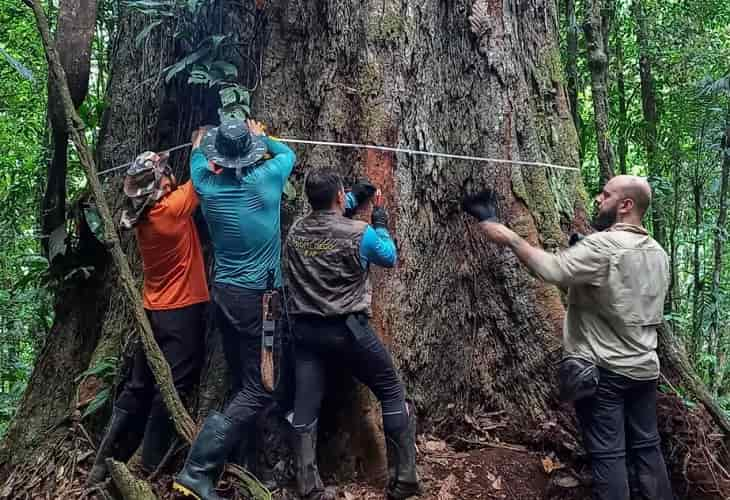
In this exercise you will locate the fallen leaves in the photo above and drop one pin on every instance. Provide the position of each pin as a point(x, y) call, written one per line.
point(566, 481)
point(551, 464)
point(496, 481)
point(446, 487)
point(435, 445)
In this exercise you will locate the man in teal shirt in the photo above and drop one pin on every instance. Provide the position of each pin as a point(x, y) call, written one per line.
point(239, 174)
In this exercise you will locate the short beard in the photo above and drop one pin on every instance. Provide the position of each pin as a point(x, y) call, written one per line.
point(604, 220)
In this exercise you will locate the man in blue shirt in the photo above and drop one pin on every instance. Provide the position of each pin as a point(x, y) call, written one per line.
point(240, 194)
point(328, 259)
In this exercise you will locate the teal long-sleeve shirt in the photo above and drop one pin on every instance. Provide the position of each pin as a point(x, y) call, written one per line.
point(376, 247)
point(243, 216)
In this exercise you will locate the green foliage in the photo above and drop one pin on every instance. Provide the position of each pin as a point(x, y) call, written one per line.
point(25, 312)
point(106, 371)
point(689, 52)
point(207, 62)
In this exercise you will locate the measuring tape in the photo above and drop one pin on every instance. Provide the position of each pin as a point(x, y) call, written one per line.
point(384, 148)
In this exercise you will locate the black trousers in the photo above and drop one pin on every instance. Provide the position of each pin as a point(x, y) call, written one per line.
point(325, 343)
point(620, 419)
point(180, 334)
point(238, 315)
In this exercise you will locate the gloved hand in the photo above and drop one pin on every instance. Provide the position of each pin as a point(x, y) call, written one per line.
point(380, 217)
point(363, 191)
point(575, 238)
point(482, 206)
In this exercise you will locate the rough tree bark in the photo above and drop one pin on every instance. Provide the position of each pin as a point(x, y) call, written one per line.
point(74, 32)
point(470, 329)
point(595, 27)
point(572, 83)
point(651, 118)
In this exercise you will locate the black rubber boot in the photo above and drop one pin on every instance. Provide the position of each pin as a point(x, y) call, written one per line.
point(244, 453)
point(121, 440)
point(401, 448)
point(309, 484)
point(206, 459)
point(158, 437)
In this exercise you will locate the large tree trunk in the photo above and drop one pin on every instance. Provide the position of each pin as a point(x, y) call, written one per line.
point(471, 331)
point(596, 27)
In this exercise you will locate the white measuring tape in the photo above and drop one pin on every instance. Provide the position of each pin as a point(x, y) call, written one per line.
point(386, 148)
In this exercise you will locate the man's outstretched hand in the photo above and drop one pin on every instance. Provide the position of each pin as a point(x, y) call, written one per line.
point(482, 206)
point(379, 217)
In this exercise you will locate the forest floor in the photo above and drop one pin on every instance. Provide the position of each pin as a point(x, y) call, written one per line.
point(489, 471)
point(464, 465)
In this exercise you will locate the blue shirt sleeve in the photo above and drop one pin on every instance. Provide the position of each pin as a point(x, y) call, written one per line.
point(377, 248)
point(283, 158)
point(198, 167)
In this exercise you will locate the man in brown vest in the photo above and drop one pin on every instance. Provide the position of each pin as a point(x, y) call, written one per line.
point(328, 258)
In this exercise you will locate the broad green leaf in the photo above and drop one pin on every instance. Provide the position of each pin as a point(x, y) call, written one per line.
point(226, 68)
point(142, 36)
point(290, 191)
point(99, 401)
point(199, 77)
point(105, 368)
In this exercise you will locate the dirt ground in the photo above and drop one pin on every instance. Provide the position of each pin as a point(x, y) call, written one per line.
point(470, 464)
point(492, 471)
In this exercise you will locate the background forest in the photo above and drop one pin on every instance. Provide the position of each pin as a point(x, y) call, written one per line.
point(649, 87)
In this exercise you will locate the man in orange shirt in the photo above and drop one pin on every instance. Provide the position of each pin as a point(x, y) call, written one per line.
point(175, 296)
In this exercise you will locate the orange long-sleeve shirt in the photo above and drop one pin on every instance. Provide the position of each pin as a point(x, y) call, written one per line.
point(174, 271)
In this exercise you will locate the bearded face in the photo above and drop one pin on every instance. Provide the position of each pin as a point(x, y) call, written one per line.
point(605, 216)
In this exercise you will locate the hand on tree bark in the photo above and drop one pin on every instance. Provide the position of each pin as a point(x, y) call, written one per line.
point(256, 128)
point(482, 206)
point(197, 136)
point(498, 233)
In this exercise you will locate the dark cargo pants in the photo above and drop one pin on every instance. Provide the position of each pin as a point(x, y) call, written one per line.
point(180, 333)
point(321, 343)
point(621, 417)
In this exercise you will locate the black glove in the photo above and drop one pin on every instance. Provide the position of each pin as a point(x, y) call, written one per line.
point(575, 238)
point(380, 217)
point(482, 206)
point(363, 191)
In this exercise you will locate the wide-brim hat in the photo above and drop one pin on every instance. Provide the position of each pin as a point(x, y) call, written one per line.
point(143, 175)
point(232, 145)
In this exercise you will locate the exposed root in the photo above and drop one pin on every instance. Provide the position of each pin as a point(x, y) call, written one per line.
point(129, 486)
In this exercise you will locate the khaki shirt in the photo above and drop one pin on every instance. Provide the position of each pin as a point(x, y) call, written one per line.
point(617, 281)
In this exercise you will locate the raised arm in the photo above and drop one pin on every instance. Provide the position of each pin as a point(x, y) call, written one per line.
point(583, 263)
point(377, 247)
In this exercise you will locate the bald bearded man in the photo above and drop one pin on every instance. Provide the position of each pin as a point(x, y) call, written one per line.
point(617, 280)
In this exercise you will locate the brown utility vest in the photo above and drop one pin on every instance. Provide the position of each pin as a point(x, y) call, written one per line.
point(323, 259)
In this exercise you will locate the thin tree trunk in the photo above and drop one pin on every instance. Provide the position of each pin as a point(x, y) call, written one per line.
point(675, 223)
point(651, 118)
point(697, 184)
point(721, 231)
point(595, 27)
point(572, 62)
point(623, 139)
